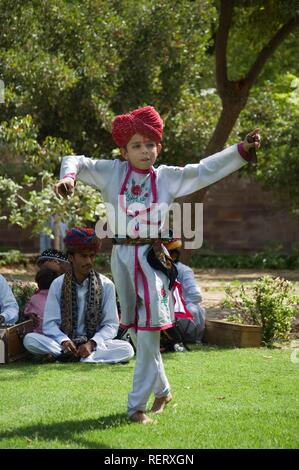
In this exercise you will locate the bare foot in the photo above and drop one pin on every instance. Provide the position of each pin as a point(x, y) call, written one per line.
point(160, 403)
point(140, 417)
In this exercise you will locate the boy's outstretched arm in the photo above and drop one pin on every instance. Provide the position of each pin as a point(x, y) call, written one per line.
point(65, 187)
point(182, 181)
point(95, 173)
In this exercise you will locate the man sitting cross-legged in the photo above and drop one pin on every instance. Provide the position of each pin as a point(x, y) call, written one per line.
point(80, 318)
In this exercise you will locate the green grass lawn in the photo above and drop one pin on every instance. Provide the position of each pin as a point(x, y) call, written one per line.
point(223, 398)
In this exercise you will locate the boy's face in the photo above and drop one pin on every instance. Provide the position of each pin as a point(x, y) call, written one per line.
point(141, 152)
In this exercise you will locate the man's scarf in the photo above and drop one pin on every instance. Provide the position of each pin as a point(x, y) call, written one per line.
point(69, 305)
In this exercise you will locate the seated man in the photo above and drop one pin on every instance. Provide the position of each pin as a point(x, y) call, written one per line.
point(54, 260)
point(80, 318)
point(9, 309)
point(189, 328)
point(190, 290)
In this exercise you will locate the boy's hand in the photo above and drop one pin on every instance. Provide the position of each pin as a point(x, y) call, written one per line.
point(65, 187)
point(252, 140)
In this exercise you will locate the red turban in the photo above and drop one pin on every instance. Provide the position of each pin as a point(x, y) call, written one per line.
point(80, 240)
point(145, 121)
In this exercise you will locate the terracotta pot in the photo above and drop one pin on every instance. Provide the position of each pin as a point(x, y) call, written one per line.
point(224, 333)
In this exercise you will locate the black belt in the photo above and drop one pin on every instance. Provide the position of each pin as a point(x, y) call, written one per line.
point(138, 241)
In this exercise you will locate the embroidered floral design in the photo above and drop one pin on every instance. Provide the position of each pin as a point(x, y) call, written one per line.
point(136, 190)
point(163, 297)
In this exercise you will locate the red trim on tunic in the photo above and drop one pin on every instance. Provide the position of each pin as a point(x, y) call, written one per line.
point(138, 170)
point(136, 283)
point(152, 328)
point(187, 313)
point(153, 190)
point(244, 154)
point(70, 175)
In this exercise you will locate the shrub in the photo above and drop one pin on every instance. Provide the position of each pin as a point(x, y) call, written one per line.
point(22, 291)
point(12, 257)
point(269, 303)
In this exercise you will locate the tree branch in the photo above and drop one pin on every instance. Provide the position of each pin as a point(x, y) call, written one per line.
point(270, 48)
point(225, 17)
point(24, 200)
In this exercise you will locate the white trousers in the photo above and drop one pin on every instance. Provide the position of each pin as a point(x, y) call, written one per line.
point(149, 374)
point(111, 351)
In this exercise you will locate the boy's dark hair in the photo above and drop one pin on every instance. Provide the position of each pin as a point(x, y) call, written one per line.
point(45, 277)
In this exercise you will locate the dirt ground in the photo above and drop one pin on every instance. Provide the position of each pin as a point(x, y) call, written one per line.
point(214, 281)
point(211, 281)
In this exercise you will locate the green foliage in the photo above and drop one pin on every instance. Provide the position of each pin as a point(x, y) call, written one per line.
point(12, 257)
point(26, 189)
point(275, 108)
point(102, 261)
point(262, 260)
point(269, 304)
point(69, 67)
point(23, 291)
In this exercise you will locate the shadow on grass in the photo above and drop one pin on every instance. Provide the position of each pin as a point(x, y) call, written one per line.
point(67, 432)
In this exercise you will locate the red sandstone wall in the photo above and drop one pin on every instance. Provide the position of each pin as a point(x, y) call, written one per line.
point(240, 216)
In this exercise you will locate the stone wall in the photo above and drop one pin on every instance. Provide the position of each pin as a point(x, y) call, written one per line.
point(12, 236)
point(240, 216)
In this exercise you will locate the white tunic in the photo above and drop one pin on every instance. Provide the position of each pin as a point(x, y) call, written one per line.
point(108, 326)
point(8, 304)
point(145, 299)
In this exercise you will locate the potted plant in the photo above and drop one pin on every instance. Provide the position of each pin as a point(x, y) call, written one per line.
point(261, 314)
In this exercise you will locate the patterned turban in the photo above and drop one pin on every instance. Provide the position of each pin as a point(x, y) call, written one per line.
point(51, 255)
point(145, 121)
point(79, 240)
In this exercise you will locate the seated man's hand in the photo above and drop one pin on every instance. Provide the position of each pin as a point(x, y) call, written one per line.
point(35, 319)
point(65, 187)
point(69, 347)
point(86, 349)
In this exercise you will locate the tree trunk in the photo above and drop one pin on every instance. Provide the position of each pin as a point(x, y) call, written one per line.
point(56, 232)
point(234, 94)
point(227, 120)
